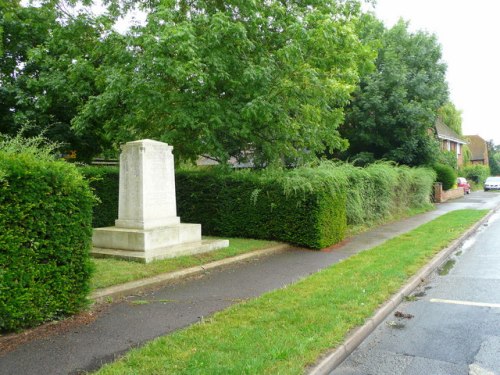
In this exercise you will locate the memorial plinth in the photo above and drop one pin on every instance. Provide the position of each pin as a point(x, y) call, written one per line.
point(148, 227)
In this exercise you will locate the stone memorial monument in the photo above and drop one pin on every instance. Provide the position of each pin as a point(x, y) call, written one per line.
point(148, 227)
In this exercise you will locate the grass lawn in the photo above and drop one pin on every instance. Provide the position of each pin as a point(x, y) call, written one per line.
point(283, 331)
point(110, 272)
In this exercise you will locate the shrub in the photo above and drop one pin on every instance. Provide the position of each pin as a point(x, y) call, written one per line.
point(446, 175)
point(105, 183)
point(245, 204)
point(45, 216)
point(476, 173)
point(304, 206)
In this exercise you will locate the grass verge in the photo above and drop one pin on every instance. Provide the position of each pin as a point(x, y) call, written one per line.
point(283, 331)
point(110, 272)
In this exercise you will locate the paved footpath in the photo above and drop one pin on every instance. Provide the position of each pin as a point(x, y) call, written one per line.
point(127, 324)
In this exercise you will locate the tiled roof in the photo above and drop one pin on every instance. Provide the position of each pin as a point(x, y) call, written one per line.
point(477, 147)
point(444, 132)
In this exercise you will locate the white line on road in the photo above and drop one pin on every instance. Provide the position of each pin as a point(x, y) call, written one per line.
point(466, 303)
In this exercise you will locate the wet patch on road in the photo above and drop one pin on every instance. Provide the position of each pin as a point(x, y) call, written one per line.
point(395, 325)
point(448, 266)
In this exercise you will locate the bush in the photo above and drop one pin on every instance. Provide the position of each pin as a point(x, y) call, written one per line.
point(446, 175)
point(245, 204)
point(45, 216)
point(377, 192)
point(304, 206)
point(105, 183)
point(476, 173)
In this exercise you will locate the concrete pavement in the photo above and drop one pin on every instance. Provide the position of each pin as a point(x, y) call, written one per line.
point(139, 319)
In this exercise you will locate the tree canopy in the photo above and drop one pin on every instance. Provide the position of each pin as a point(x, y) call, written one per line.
point(277, 81)
point(394, 108)
point(234, 78)
point(451, 117)
point(48, 70)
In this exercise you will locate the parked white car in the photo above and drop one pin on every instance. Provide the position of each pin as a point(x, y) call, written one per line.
point(492, 183)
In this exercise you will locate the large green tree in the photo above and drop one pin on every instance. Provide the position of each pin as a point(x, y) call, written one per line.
point(234, 78)
point(451, 117)
point(48, 70)
point(394, 109)
point(494, 158)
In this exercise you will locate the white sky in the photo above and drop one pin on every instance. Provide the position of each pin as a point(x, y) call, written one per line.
point(469, 33)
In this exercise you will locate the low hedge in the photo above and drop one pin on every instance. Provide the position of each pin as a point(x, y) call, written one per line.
point(45, 216)
point(446, 175)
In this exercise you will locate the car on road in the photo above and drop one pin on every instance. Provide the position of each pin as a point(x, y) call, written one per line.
point(462, 182)
point(492, 183)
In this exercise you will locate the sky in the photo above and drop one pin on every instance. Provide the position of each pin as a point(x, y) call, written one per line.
point(469, 33)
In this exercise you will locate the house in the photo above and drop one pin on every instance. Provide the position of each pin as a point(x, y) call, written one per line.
point(450, 140)
point(478, 149)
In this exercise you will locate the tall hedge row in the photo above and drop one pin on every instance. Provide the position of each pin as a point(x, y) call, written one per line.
point(45, 216)
point(374, 193)
point(304, 206)
point(249, 205)
point(104, 181)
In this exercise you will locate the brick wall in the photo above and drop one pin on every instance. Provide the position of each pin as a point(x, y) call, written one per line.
point(441, 195)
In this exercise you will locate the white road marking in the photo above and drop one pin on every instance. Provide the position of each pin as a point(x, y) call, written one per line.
point(466, 303)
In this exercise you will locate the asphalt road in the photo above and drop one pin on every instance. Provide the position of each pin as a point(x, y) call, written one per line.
point(139, 319)
point(455, 328)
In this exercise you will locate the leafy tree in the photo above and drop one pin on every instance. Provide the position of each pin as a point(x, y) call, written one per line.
point(451, 117)
point(234, 78)
point(494, 158)
point(48, 72)
point(393, 111)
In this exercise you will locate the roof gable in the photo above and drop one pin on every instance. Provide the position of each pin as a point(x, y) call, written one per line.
point(444, 132)
point(477, 147)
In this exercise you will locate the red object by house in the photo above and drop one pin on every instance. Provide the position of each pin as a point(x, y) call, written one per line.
point(462, 182)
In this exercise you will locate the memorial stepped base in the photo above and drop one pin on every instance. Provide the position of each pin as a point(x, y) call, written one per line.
point(151, 244)
point(188, 248)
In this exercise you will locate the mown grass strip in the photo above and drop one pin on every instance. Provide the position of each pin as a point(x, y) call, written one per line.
point(283, 331)
point(110, 272)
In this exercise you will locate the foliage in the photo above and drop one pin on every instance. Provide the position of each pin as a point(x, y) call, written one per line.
point(105, 183)
point(45, 216)
point(451, 117)
point(261, 79)
point(378, 192)
point(448, 158)
point(466, 154)
point(246, 205)
point(394, 109)
point(494, 158)
point(284, 331)
point(48, 71)
point(38, 146)
point(476, 173)
point(446, 175)
point(291, 206)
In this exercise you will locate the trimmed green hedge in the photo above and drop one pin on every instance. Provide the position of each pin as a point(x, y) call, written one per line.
point(446, 175)
point(45, 216)
point(244, 204)
point(304, 206)
point(105, 183)
point(239, 204)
